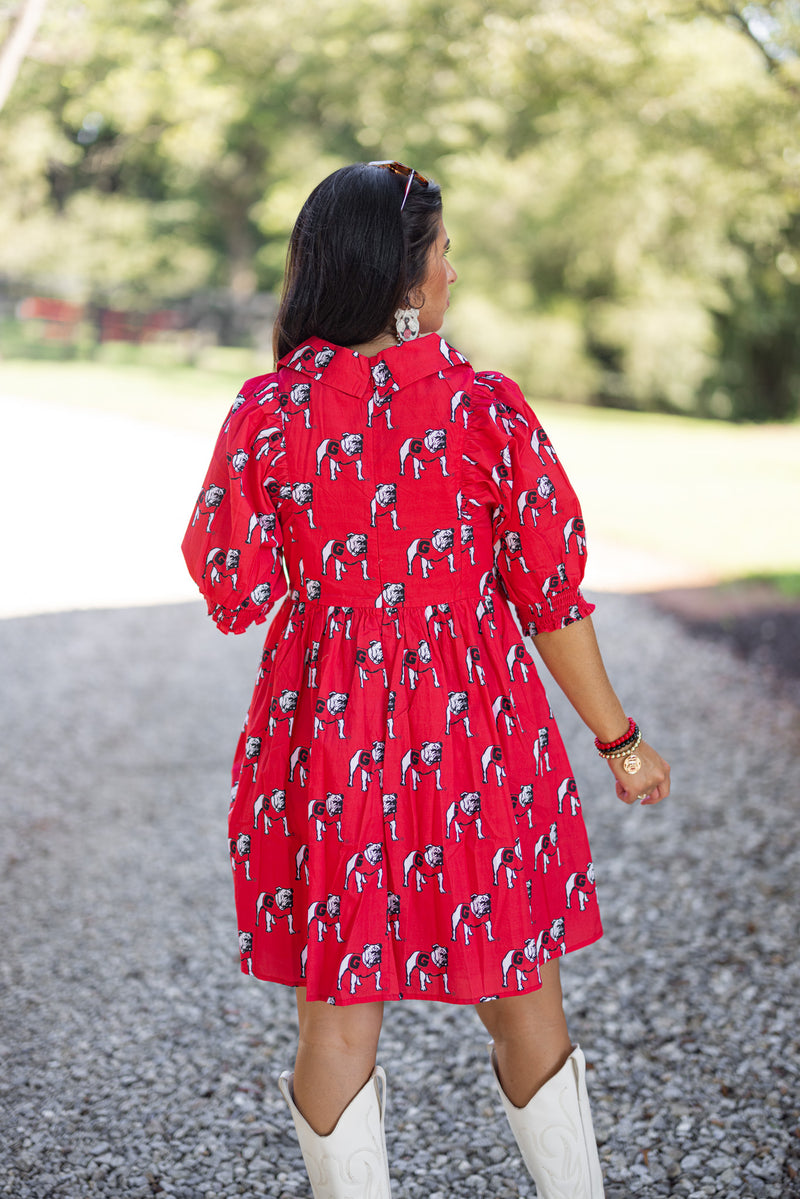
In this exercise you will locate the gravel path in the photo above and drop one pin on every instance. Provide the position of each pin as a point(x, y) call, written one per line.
point(137, 1061)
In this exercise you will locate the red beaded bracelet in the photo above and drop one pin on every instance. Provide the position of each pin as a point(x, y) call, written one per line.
point(604, 746)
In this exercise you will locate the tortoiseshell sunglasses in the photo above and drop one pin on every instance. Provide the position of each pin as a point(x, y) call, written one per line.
point(399, 168)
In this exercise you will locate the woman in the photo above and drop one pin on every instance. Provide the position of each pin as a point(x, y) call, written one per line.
point(404, 821)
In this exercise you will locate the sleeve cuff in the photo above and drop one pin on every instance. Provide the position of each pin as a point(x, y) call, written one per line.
point(564, 609)
point(235, 620)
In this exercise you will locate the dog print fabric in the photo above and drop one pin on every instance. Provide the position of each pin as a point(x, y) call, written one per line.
point(404, 821)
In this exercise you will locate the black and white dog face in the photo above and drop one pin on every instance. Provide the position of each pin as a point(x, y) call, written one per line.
point(213, 496)
point(252, 747)
point(480, 906)
point(371, 956)
point(302, 493)
point(513, 542)
point(394, 593)
point(381, 375)
point(470, 802)
point(390, 804)
point(436, 439)
point(334, 803)
point(352, 443)
point(434, 856)
point(545, 486)
point(337, 702)
point(529, 949)
point(375, 651)
point(313, 589)
point(431, 752)
point(442, 539)
point(333, 906)
point(284, 897)
point(374, 853)
point(424, 651)
point(260, 594)
point(356, 543)
point(245, 943)
point(439, 956)
point(386, 494)
point(407, 326)
point(300, 394)
point(457, 702)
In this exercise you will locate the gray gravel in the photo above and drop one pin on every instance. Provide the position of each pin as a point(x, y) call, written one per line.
point(137, 1061)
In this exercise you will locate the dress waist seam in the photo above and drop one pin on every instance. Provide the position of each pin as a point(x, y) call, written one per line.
point(320, 605)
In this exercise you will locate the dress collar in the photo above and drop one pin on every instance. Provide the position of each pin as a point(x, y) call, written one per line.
point(354, 373)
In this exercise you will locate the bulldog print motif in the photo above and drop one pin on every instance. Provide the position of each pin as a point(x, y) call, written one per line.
point(404, 821)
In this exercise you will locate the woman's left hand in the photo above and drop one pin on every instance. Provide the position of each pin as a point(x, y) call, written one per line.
point(649, 784)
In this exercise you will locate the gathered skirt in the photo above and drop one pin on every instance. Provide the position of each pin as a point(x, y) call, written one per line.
point(404, 821)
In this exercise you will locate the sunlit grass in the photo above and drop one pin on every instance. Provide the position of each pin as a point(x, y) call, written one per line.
point(718, 496)
point(171, 396)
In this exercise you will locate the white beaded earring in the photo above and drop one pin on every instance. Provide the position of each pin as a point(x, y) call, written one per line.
point(407, 324)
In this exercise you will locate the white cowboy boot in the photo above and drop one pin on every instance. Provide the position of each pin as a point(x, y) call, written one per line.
point(555, 1134)
point(351, 1161)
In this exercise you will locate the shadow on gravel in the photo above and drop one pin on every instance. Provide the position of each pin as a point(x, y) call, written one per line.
point(753, 617)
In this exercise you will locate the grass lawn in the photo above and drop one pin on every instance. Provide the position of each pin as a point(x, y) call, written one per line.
point(720, 497)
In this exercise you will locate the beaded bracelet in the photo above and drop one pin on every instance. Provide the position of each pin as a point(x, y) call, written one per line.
point(602, 746)
point(624, 750)
point(627, 743)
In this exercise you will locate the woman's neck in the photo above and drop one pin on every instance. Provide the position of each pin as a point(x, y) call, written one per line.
point(368, 348)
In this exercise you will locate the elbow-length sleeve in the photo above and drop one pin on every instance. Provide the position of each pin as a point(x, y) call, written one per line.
point(540, 540)
point(233, 545)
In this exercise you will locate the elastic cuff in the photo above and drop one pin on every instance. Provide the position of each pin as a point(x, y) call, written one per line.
point(235, 620)
point(567, 607)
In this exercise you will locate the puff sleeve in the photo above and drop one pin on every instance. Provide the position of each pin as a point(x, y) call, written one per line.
point(233, 545)
point(539, 535)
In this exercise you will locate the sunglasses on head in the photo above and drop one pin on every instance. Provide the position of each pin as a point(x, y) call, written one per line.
point(399, 168)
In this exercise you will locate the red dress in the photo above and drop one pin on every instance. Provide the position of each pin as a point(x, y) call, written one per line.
point(404, 820)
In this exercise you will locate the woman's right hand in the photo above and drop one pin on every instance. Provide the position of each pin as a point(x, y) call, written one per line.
point(651, 781)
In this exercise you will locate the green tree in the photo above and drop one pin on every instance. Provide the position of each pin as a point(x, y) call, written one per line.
point(621, 180)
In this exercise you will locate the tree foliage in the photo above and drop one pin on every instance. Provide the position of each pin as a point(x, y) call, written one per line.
point(621, 178)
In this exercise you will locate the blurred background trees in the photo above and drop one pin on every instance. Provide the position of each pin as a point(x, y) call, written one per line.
point(621, 177)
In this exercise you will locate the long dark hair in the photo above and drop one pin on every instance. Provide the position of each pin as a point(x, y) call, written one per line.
point(354, 257)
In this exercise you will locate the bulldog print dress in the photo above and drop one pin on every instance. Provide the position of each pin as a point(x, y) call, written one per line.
point(404, 822)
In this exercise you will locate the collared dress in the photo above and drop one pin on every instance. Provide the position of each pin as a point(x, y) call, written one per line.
point(404, 820)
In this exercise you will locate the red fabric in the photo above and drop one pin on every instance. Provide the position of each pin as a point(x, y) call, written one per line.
point(404, 820)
